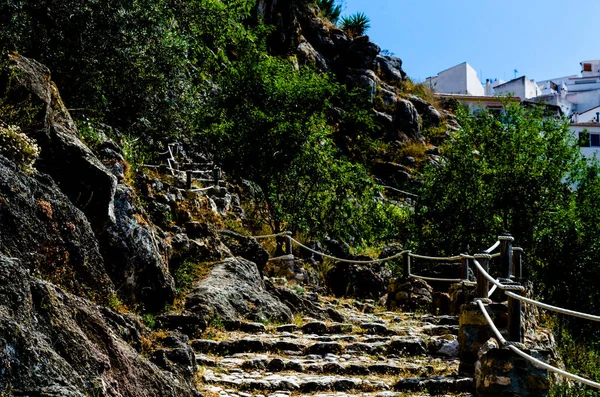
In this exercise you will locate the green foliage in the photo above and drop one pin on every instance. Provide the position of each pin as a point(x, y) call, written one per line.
point(580, 358)
point(272, 124)
point(139, 65)
point(330, 10)
point(356, 24)
point(18, 147)
point(149, 320)
point(504, 172)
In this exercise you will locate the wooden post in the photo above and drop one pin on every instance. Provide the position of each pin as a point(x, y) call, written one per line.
point(506, 241)
point(517, 263)
point(464, 269)
point(217, 176)
point(514, 317)
point(188, 179)
point(406, 264)
point(288, 246)
point(483, 286)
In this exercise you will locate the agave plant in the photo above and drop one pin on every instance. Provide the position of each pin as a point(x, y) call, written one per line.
point(330, 9)
point(356, 25)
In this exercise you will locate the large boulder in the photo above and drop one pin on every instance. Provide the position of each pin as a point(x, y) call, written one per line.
point(409, 294)
point(235, 290)
point(40, 226)
point(56, 344)
point(390, 68)
point(133, 257)
point(80, 175)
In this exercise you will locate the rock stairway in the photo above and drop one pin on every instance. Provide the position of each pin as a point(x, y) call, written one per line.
point(369, 354)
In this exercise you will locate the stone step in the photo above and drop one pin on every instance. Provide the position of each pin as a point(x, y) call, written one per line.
point(332, 364)
point(219, 391)
point(296, 383)
point(310, 383)
point(436, 384)
point(445, 345)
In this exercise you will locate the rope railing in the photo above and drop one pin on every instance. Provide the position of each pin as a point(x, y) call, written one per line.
point(493, 247)
point(400, 191)
point(483, 277)
point(556, 309)
point(298, 243)
point(539, 363)
point(492, 280)
point(436, 258)
point(443, 280)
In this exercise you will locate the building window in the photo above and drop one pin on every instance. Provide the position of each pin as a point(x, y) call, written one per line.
point(587, 67)
point(594, 140)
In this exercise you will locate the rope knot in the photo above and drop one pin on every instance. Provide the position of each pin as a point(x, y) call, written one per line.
point(482, 256)
point(506, 238)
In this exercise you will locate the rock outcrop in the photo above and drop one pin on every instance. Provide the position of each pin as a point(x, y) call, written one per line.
point(53, 343)
point(300, 30)
point(53, 238)
point(234, 290)
point(78, 172)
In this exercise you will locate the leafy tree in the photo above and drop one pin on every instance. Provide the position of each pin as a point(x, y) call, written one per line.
point(330, 9)
point(356, 24)
point(504, 171)
point(271, 124)
point(136, 65)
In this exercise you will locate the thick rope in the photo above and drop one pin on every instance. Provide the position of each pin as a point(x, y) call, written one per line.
point(493, 280)
point(289, 257)
point(490, 322)
point(553, 369)
point(506, 238)
point(345, 260)
point(554, 308)
point(493, 247)
point(492, 290)
point(444, 280)
point(497, 254)
point(436, 258)
point(272, 235)
point(400, 191)
point(201, 189)
point(539, 363)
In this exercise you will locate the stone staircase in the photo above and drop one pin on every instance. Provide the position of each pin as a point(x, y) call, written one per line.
point(369, 354)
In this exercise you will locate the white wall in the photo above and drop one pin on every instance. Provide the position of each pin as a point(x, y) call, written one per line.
point(521, 87)
point(588, 116)
point(588, 152)
point(460, 79)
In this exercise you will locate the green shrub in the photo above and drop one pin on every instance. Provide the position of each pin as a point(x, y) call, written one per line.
point(356, 25)
point(18, 147)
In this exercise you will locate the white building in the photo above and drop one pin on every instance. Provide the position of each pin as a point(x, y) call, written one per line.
point(521, 87)
point(588, 135)
point(574, 96)
point(461, 79)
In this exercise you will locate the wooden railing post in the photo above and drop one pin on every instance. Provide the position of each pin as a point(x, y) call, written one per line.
point(216, 176)
point(517, 263)
point(515, 333)
point(506, 241)
point(406, 264)
point(288, 246)
point(188, 179)
point(483, 286)
point(464, 268)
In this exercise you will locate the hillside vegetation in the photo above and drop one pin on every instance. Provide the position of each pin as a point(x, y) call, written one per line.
point(311, 125)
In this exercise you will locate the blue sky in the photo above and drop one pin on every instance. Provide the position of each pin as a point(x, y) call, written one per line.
point(540, 38)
